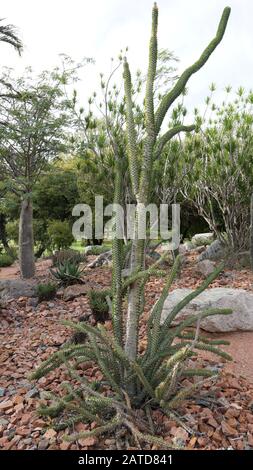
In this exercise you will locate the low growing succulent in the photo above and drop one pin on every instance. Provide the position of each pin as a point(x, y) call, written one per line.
point(67, 273)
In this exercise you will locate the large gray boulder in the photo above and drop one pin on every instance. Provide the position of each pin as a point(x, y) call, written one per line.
point(205, 267)
point(14, 288)
point(202, 239)
point(189, 245)
point(104, 259)
point(77, 290)
point(239, 300)
point(213, 252)
point(186, 247)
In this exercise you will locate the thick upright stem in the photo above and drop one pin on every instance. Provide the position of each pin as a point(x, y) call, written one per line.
point(117, 319)
point(26, 257)
point(140, 180)
point(140, 189)
point(134, 297)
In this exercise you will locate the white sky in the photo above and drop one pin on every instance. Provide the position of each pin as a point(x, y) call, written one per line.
point(100, 28)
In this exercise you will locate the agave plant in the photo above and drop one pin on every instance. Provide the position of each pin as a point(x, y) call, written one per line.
point(67, 273)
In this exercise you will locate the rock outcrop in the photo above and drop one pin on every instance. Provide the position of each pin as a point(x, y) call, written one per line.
point(239, 300)
point(14, 288)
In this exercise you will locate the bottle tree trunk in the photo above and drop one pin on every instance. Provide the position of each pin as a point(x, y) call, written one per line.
point(26, 256)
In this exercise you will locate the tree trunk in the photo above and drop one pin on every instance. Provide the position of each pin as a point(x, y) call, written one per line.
point(26, 257)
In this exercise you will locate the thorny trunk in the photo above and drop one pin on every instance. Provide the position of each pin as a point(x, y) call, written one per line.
point(117, 261)
point(135, 299)
point(26, 256)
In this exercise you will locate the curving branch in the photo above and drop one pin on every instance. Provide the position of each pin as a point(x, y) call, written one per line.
point(168, 136)
point(170, 97)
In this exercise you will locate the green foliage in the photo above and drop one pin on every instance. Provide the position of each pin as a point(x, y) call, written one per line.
point(22, 121)
point(221, 157)
point(41, 237)
point(34, 116)
point(55, 193)
point(99, 304)
point(46, 291)
point(12, 230)
point(60, 234)
point(67, 273)
point(5, 260)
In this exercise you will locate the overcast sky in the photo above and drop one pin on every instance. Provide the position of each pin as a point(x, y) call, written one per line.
point(100, 28)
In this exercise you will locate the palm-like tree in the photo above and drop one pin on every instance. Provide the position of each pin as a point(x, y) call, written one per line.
point(8, 34)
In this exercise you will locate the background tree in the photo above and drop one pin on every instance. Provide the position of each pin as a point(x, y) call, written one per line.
point(54, 195)
point(102, 129)
point(217, 170)
point(60, 234)
point(8, 35)
point(32, 132)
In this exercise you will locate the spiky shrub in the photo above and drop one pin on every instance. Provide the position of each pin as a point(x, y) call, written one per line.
point(153, 378)
point(67, 273)
point(46, 291)
point(100, 304)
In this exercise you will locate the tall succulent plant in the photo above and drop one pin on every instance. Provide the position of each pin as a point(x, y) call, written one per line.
point(152, 378)
point(152, 146)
